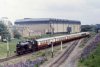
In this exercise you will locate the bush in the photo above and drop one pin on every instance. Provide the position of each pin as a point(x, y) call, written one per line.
point(16, 34)
point(93, 60)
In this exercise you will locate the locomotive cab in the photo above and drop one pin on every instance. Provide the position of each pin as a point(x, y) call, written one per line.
point(26, 47)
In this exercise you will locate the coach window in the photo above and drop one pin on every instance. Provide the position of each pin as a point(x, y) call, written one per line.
point(62, 38)
point(59, 39)
point(42, 42)
point(67, 37)
point(56, 39)
point(53, 40)
point(39, 43)
point(75, 35)
point(50, 40)
point(45, 41)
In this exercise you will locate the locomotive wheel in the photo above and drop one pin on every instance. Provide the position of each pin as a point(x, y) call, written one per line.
point(19, 53)
point(33, 49)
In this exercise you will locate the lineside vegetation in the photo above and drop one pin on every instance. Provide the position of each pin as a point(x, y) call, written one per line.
point(93, 60)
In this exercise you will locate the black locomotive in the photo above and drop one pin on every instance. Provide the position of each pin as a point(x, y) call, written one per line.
point(26, 47)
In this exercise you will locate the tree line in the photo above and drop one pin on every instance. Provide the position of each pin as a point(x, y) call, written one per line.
point(90, 28)
point(5, 34)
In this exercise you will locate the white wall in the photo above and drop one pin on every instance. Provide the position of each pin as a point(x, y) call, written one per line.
point(63, 27)
point(32, 29)
point(38, 29)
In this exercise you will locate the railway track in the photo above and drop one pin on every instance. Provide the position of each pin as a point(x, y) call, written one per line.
point(12, 57)
point(6, 59)
point(15, 56)
point(64, 56)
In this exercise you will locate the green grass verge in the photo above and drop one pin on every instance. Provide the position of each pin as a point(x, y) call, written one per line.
point(93, 60)
point(12, 47)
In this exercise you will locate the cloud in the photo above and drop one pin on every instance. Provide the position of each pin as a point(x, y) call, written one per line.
point(94, 3)
point(87, 11)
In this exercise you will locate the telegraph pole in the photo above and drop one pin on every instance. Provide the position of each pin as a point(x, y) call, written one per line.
point(52, 49)
point(7, 47)
point(61, 45)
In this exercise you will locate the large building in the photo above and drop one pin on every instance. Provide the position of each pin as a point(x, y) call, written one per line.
point(33, 26)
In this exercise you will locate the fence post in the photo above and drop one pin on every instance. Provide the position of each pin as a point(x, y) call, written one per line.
point(61, 45)
point(7, 47)
point(52, 49)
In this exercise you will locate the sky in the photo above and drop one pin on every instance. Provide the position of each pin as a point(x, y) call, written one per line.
point(86, 11)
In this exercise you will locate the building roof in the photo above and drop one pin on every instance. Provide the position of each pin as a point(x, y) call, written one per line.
point(45, 20)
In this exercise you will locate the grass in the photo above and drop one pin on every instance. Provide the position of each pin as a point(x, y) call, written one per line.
point(47, 52)
point(12, 47)
point(93, 60)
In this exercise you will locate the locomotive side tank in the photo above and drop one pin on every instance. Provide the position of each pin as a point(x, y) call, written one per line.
point(26, 47)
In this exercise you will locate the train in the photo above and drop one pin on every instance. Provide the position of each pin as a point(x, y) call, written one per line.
point(32, 45)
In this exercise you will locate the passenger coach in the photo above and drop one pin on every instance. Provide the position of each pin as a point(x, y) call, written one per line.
point(34, 45)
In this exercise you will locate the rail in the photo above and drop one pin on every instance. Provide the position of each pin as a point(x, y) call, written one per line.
point(64, 56)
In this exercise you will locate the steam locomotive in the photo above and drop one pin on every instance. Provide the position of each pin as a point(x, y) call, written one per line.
point(24, 47)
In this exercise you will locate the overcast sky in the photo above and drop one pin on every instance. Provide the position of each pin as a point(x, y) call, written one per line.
point(86, 11)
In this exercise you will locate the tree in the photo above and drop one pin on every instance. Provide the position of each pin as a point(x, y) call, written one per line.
point(97, 28)
point(85, 28)
point(16, 34)
point(4, 33)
